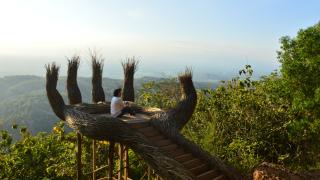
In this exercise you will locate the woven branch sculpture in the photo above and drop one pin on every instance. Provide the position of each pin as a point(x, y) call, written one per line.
point(87, 120)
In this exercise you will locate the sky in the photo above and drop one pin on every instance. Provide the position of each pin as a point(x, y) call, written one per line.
point(214, 38)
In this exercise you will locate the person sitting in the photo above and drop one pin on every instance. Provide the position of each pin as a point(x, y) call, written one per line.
point(119, 107)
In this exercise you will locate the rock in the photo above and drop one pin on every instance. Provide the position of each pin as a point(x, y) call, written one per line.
point(269, 171)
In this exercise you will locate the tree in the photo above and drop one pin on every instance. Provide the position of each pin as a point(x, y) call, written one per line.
point(300, 60)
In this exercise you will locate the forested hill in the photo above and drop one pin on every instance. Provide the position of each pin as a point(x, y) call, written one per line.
point(24, 102)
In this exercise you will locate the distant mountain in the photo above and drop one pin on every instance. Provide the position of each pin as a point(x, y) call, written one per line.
point(23, 99)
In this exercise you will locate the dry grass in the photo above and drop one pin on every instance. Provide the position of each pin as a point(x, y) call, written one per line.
point(97, 69)
point(74, 93)
point(52, 72)
point(130, 66)
point(73, 64)
point(186, 75)
point(54, 97)
point(97, 63)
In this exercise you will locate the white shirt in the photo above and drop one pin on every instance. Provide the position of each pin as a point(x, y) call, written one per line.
point(116, 106)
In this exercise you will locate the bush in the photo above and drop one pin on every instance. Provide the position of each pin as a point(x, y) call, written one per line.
point(34, 157)
point(247, 122)
point(53, 155)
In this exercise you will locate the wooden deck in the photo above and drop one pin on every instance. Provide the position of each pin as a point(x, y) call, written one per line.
point(137, 118)
point(198, 167)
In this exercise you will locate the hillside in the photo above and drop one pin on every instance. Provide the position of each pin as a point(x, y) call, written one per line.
point(24, 102)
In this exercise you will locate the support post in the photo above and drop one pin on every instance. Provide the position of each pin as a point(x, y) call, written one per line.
point(93, 159)
point(149, 174)
point(110, 160)
point(120, 168)
point(79, 165)
point(126, 162)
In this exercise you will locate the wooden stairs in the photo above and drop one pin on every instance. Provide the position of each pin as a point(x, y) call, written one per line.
point(196, 166)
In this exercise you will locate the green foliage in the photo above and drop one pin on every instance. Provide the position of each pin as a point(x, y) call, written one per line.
point(247, 122)
point(300, 59)
point(137, 166)
point(53, 155)
point(228, 121)
point(163, 94)
point(34, 157)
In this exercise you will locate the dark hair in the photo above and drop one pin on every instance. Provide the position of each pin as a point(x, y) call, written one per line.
point(116, 92)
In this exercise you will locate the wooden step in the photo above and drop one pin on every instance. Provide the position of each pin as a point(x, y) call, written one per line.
point(208, 175)
point(156, 138)
point(184, 157)
point(149, 132)
point(177, 152)
point(170, 147)
point(147, 129)
point(200, 169)
point(221, 177)
point(192, 163)
point(163, 142)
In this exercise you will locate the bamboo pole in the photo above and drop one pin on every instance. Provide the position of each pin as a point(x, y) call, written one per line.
point(93, 159)
point(120, 168)
point(79, 166)
point(126, 162)
point(149, 174)
point(110, 159)
point(145, 173)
